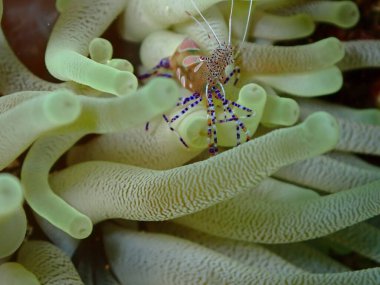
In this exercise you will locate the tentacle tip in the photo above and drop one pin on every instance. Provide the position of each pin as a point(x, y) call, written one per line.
point(11, 194)
point(62, 107)
point(100, 50)
point(322, 129)
point(349, 14)
point(125, 83)
point(80, 227)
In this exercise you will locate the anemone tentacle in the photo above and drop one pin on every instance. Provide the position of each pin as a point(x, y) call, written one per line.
point(97, 116)
point(147, 254)
point(34, 118)
point(253, 218)
point(66, 55)
point(329, 174)
point(15, 273)
point(159, 195)
point(12, 216)
point(50, 265)
point(262, 59)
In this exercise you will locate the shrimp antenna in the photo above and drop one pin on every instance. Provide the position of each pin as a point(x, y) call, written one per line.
point(230, 23)
point(248, 19)
point(199, 23)
point(207, 23)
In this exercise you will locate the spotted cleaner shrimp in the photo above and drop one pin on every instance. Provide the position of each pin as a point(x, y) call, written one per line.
point(205, 76)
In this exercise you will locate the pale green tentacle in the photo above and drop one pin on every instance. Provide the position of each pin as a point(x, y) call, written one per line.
point(278, 28)
point(307, 258)
point(140, 258)
point(359, 132)
point(50, 265)
point(159, 195)
point(328, 174)
point(360, 54)
point(344, 14)
point(264, 59)
point(13, 273)
point(305, 84)
point(280, 111)
point(249, 218)
point(362, 238)
point(12, 100)
point(152, 149)
point(277, 4)
point(250, 254)
point(158, 45)
point(98, 116)
point(66, 55)
point(21, 125)
point(370, 116)
point(154, 15)
point(12, 215)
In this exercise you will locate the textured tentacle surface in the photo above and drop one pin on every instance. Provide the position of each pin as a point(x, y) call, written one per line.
point(9, 102)
point(307, 258)
point(253, 255)
point(263, 59)
point(369, 116)
point(150, 149)
point(360, 54)
point(140, 258)
point(50, 265)
point(98, 116)
point(362, 238)
point(151, 254)
point(359, 129)
point(195, 219)
point(358, 137)
point(158, 195)
point(248, 218)
point(328, 174)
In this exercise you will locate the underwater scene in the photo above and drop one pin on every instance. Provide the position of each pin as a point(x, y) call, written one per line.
point(172, 142)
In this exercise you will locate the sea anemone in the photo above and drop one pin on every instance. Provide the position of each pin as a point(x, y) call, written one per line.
point(96, 145)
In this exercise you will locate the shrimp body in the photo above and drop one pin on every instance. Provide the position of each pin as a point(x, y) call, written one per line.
point(205, 75)
point(194, 69)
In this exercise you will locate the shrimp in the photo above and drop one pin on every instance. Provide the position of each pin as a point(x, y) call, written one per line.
point(205, 76)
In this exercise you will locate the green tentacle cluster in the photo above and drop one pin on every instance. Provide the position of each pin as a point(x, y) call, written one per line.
point(66, 55)
point(245, 216)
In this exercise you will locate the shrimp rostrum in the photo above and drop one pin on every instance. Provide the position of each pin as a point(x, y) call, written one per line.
point(205, 75)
